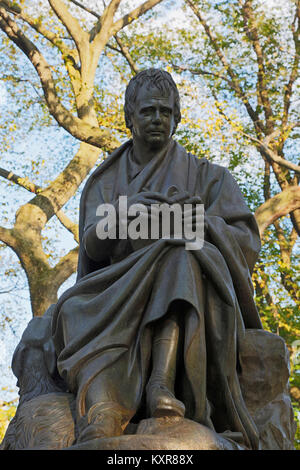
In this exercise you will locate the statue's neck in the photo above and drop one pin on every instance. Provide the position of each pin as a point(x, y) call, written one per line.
point(142, 154)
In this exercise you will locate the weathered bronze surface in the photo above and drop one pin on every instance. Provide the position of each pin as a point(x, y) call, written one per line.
point(151, 348)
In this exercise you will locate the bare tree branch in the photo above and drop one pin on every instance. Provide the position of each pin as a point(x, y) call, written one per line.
point(70, 22)
point(258, 125)
point(295, 66)
point(6, 236)
point(133, 15)
point(70, 56)
point(292, 239)
point(262, 290)
point(65, 267)
point(23, 182)
point(125, 52)
point(71, 226)
point(264, 144)
point(267, 183)
point(276, 158)
point(252, 33)
point(200, 71)
point(101, 31)
point(278, 206)
point(88, 10)
point(273, 155)
point(77, 127)
point(15, 79)
point(10, 6)
point(286, 275)
point(38, 27)
point(14, 288)
point(34, 188)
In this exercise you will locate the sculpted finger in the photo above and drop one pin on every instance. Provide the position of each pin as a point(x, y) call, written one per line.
point(194, 200)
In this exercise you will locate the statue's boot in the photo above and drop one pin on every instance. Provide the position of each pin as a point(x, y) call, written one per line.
point(102, 420)
point(161, 400)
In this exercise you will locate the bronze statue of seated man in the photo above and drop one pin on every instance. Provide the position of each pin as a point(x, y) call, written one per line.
point(157, 325)
point(152, 328)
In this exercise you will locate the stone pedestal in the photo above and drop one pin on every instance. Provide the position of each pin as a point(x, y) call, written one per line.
point(264, 381)
point(169, 433)
point(47, 421)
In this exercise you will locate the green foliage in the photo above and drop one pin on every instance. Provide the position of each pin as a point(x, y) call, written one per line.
point(7, 412)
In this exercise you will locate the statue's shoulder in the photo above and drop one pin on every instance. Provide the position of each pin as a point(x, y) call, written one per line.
point(106, 165)
point(110, 160)
point(204, 165)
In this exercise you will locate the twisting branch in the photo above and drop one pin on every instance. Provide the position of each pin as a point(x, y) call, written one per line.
point(278, 206)
point(15, 79)
point(273, 156)
point(38, 27)
point(264, 144)
point(71, 226)
point(6, 237)
point(200, 71)
point(252, 34)
point(262, 290)
point(293, 237)
point(267, 183)
point(124, 51)
point(295, 66)
point(78, 128)
point(10, 6)
point(70, 56)
point(101, 31)
point(126, 54)
point(23, 182)
point(70, 22)
point(88, 10)
point(286, 276)
point(133, 15)
point(34, 188)
point(66, 265)
point(259, 127)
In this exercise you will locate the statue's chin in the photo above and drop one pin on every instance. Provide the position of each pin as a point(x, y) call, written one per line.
point(157, 142)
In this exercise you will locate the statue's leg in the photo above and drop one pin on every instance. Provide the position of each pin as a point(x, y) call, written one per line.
point(104, 419)
point(107, 410)
point(160, 388)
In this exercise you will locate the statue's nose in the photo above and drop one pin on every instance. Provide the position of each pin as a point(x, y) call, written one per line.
point(156, 116)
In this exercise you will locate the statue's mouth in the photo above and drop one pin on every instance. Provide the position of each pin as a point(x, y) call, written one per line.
point(156, 132)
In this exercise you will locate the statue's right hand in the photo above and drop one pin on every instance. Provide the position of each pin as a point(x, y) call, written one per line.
point(142, 202)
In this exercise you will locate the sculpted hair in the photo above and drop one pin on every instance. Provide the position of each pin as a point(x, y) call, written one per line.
point(157, 78)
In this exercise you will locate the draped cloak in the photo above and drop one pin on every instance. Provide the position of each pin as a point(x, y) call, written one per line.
point(102, 326)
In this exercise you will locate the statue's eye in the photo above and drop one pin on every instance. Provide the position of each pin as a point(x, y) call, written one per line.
point(147, 111)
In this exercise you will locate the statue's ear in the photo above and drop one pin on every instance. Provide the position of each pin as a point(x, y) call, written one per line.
point(174, 128)
point(176, 123)
point(128, 123)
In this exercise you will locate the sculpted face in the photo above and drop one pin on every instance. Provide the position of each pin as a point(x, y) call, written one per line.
point(153, 118)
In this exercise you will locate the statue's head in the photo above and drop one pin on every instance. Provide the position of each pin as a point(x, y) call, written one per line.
point(151, 79)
